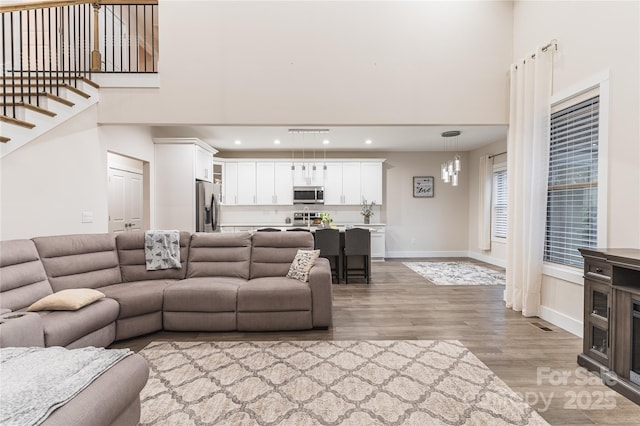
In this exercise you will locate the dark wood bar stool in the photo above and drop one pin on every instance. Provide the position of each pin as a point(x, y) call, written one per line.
point(328, 242)
point(357, 242)
point(269, 230)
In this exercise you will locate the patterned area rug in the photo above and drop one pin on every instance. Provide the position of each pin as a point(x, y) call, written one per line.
point(417, 382)
point(457, 273)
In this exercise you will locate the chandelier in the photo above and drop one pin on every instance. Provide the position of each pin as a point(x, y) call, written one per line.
point(450, 169)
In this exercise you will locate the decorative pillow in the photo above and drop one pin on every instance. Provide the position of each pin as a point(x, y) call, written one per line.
point(302, 263)
point(67, 300)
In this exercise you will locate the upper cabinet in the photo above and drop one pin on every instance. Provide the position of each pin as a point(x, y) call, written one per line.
point(271, 182)
point(239, 183)
point(352, 182)
point(274, 183)
point(204, 164)
point(371, 182)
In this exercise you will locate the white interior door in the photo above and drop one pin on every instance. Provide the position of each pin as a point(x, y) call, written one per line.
point(126, 208)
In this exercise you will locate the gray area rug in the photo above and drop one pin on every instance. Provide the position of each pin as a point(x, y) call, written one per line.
point(408, 382)
point(457, 273)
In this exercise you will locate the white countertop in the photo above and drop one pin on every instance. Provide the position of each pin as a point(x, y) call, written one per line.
point(289, 225)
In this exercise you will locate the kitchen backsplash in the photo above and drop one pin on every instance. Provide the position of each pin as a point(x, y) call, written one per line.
point(232, 215)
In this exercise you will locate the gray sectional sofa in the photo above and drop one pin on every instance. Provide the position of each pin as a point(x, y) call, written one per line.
point(226, 282)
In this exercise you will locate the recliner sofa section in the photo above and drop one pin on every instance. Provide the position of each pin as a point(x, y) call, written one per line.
point(226, 282)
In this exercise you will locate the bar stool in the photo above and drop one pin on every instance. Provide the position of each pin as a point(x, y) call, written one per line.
point(357, 242)
point(269, 230)
point(328, 242)
point(299, 229)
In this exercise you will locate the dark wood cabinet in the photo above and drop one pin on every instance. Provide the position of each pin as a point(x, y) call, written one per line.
point(610, 342)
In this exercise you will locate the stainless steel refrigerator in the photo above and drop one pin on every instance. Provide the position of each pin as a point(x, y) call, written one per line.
point(207, 206)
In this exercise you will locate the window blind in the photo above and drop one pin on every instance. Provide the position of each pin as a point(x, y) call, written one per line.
point(499, 225)
point(572, 194)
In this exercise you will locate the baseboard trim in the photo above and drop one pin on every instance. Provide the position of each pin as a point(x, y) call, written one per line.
point(487, 259)
point(414, 254)
point(561, 320)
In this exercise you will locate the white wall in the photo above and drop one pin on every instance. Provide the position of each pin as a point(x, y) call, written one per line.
point(421, 227)
point(267, 62)
point(48, 183)
point(498, 253)
point(592, 37)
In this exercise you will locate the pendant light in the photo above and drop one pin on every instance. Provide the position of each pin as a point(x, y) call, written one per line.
point(450, 169)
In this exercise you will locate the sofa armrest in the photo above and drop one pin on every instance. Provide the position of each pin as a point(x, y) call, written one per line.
point(21, 329)
point(321, 293)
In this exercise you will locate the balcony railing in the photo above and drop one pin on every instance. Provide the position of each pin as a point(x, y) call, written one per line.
point(48, 43)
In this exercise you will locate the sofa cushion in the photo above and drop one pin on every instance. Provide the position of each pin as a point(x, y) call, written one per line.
point(64, 327)
point(79, 261)
point(273, 294)
point(132, 259)
point(219, 255)
point(202, 295)
point(273, 252)
point(22, 276)
point(67, 300)
point(137, 298)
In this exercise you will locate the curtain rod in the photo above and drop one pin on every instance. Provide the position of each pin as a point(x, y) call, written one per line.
point(495, 155)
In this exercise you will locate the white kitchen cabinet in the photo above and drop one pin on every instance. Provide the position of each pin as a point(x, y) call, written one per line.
point(342, 183)
point(351, 183)
point(239, 183)
point(227, 229)
point(204, 164)
point(283, 184)
point(230, 183)
point(274, 185)
point(246, 182)
point(371, 181)
point(378, 238)
point(265, 182)
point(333, 184)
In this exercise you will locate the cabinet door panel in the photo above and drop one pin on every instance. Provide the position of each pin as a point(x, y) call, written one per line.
point(351, 189)
point(333, 184)
point(246, 183)
point(283, 184)
point(371, 174)
point(230, 181)
point(265, 183)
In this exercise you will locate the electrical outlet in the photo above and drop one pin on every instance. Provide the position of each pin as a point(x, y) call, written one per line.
point(87, 217)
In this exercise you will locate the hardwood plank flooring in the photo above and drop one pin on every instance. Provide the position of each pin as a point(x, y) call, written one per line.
point(400, 304)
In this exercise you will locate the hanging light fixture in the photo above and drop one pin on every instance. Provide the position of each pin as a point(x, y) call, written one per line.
point(450, 169)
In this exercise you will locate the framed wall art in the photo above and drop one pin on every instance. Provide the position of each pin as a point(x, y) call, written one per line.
point(422, 186)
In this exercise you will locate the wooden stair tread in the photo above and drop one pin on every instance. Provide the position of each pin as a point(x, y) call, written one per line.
point(48, 95)
point(17, 122)
point(4, 139)
point(31, 107)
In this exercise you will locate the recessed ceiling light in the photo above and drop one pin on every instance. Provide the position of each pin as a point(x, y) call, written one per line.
point(325, 142)
point(277, 142)
point(237, 142)
point(368, 141)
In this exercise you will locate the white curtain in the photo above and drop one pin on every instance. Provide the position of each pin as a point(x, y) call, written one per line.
point(527, 172)
point(485, 182)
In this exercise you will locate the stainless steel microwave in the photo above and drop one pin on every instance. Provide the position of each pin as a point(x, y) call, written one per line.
point(308, 195)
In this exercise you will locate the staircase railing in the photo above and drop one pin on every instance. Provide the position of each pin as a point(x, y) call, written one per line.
point(49, 43)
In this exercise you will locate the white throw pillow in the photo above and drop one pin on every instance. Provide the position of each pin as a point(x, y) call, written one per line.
point(67, 300)
point(302, 264)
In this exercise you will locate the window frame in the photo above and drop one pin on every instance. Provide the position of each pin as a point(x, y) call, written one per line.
point(599, 84)
point(498, 167)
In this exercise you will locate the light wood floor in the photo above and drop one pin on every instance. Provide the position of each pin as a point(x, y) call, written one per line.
point(400, 304)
